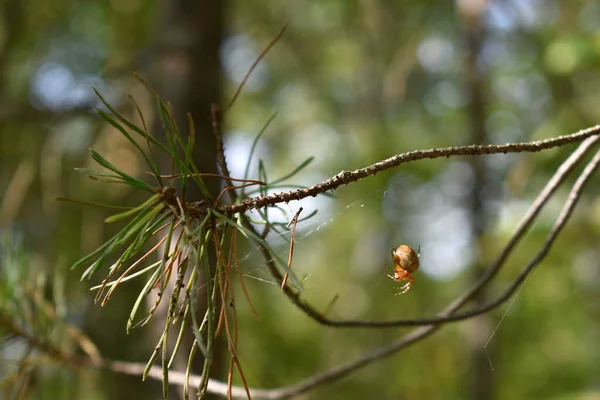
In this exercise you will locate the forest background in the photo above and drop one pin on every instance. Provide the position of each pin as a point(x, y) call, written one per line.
point(351, 83)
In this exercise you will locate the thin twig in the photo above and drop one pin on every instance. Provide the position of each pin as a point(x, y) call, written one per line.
point(219, 279)
point(292, 241)
point(224, 286)
point(346, 177)
point(241, 276)
point(217, 118)
point(228, 189)
point(260, 57)
point(17, 189)
point(208, 174)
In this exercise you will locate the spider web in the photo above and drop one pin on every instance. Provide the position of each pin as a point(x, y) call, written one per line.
point(411, 211)
point(416, 211)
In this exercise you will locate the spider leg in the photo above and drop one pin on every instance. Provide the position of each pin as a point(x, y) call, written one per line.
point(406, 287)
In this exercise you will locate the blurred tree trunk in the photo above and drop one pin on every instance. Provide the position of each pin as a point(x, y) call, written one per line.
point(187, 73)
point(481, 385)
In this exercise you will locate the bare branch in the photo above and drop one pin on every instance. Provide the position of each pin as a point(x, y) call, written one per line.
point(565, 168)
point(346, 177)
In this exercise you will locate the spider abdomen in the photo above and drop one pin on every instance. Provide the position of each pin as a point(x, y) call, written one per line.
point(406, 258)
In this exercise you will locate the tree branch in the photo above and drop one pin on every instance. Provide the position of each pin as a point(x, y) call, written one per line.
point(414, 336)
point(447, 315)
point(346, 177)
point(565, 168)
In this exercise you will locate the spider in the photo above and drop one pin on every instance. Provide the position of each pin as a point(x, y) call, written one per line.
point(406, 261)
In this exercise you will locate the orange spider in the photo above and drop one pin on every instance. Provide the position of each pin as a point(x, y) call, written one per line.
point(406, 261)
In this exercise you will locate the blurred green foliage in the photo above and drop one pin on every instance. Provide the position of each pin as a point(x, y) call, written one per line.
point(352, 82)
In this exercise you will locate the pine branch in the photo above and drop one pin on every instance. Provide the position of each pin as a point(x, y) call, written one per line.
point(346, 177)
